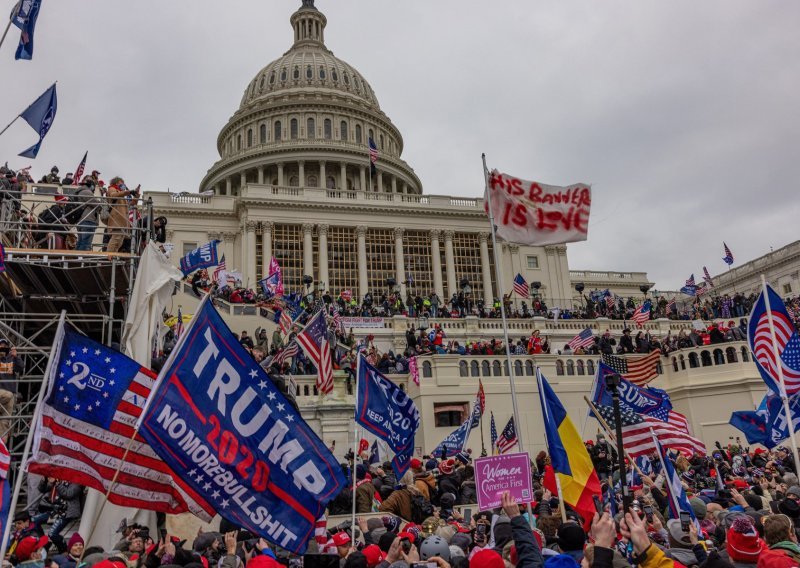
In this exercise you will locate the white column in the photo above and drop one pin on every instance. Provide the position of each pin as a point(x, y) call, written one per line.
point(380, 181)
point(322, 231)
point(249, 255)
point(242, 181)
point(260, 175)
point(228, 186)
point(394, 184)
point(363, 177)
point(266, 247)
point(280, 173)
point(437, 264)
point(302, 167)
point(399, 261)
point(486, 269)
point(322, 182)
point(308, 250)
point(451, 264)
point(363, 283)
point(343, 174)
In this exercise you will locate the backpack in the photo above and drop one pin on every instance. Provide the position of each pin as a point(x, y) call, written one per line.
point(421, 509)
point(105, 212)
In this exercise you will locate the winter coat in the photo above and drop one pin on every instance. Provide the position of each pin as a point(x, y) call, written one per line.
point(425, 482)
point(468, 493)
point(398, 503)
point(364, 493)
point(528, 553)
point(119, 208)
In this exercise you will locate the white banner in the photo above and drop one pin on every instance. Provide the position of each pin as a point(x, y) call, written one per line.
point(362, 323)
point(532, 213)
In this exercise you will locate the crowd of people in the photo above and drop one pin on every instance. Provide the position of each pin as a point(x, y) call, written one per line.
point(746, 503)
point(79, 208)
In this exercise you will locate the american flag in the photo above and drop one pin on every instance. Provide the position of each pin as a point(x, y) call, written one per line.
point(610, 301)
point(728, 258)
point(336, 317)
point(93, 400)
point(285, 321)
point(637, 439)
point(219, 270)
point(290, 350)
point(5, 460)
point(508, 438)
point(670, 305)
point(481, 397)
point(642, 313)
point(707, 277)
point(679, 421)
point(314, 341)
point(347, 295)
point(373, 152)
point(81, 168)
point(638, 370)
point(788, 342)
point(690, 283)
point(583, 339)
point(520, 286)
point(321, 531)
point(493, 434)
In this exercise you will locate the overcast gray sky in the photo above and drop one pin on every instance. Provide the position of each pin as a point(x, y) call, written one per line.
point(683, 115)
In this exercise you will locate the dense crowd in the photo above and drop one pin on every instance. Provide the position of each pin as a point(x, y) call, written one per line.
point(78, 210)
point(746, 504)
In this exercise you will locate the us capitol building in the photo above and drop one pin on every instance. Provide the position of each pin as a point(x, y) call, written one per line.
point(293, 181)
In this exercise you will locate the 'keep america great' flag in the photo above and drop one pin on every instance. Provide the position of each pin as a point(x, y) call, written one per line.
point(235, 443)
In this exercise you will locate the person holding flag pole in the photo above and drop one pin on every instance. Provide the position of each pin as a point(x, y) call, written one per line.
point(779, 367)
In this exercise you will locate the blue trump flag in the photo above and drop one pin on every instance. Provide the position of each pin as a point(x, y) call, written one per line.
point(269, 285)
point(642, 400)
point(234, 441)
point(767, 425)
point(24, 17)
point(456, 440)
point(40, 115)
point(203, 257)
point(383, 409)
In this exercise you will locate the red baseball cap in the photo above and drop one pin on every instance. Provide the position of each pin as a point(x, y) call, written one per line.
point(341, 539)
point(374, 555)
point(28, 545)
point(407, 535)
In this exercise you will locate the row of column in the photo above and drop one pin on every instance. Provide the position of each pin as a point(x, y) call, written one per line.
point(248, 245)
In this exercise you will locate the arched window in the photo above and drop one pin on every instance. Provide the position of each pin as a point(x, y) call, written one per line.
point(463, 369)
point(344, 134)
point(675, 364)
point(580, 368)
point(330, 182)
point(559, 367)
point(358, 134)
point(731, 353)
point(293, 129)
point(427, 369)
point(261, 84)
point(694, 361)
point(283, 75)
point(316, 392)
point(249, 137)
point(381, 137)
point(294, 181)
point(496, 368)
point(296, 73)
point(262, 133)
point(570, 367)
point(311, 128)
point(590, 367)
point(311, 181)
point(328, 129)
point(239, 142)
point(356, 84)
point(321, 72)
point(345, 78)
point(305, 390)
point(475, 369)
point(371, 135)
point(682, 361)
point(309, 73)
point(745, 355)
point(335, 75)
point(719, 358)
point(529, 368)
point(518, 368)
point(272, 78)
point(486, 369)
point(505, 367)
point(277, 136)
point(705, 357)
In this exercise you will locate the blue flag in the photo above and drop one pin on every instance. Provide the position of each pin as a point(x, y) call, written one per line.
point(203, 257)
point(269, 285)
point(642, 400)
point(387, 412)
point(234, 441)
point(768, 425)
point(678, 501)
point(40, 115)
point(456, 440)
point(25, 19)
point(759, 336)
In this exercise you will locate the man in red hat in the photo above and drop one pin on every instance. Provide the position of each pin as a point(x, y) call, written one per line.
point(29, 551)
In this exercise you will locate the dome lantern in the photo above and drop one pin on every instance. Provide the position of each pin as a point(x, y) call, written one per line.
point(309, 25)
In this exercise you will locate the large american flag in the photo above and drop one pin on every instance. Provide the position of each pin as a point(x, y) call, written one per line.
point(508, 438)
point(81, 167)
point(520, 286)
point(93, 400)
point(638, 370)
point(290, 350)
point(638, 440)
point(5, 460)
point(314, 341)
point(493, 434)
point(642, 313)
point(728, 258)
point(788, 342)
point(610, 301)
point(583, 339)
point(285, 321)
point(373, 152)
point(690, 283)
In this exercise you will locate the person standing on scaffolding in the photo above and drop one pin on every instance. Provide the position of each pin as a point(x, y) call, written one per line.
point(10, 369)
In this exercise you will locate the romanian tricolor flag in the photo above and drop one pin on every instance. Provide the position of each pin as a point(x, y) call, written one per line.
point(569, 458)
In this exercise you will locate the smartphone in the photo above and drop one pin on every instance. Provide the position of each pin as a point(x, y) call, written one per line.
point(598, 505)
point(648, 511)
point(424, 565)
point(466, 513)
point(685, 518)
point(480, 533)
point(406, 545)
point(773, 506)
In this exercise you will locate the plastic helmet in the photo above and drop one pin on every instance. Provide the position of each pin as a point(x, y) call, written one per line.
point(434, 546)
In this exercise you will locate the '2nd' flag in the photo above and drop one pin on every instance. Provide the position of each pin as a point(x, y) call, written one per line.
point(234, 441)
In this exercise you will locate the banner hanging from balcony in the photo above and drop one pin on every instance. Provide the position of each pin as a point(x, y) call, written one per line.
point(533, 213)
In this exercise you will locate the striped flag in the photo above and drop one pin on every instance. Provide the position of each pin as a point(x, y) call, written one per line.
point(636, 435)
point(5, 492)
point(583, 339)
point(508, 438)
point(314, 341)
point(94, 398)
point(280, 358)
point(285, 322)
point(610, 301)
point(413, 370)
point(220, 270)
point(670, 305)
point(642, 313)
point(321, 531)
point(728, 258)
point(373, 156)
point(707, 277)
point(80, 169)
point(678, 501)
point(5, 460)
point(481, 397)
point(520, 286)
point(638, 370)
point(679, 421)
point(493, 434)
point(337, 319)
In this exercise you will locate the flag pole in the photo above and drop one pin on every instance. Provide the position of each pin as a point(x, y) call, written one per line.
point(9, 124)
point(779, 366)
point(36, 416)
point(355, 448)
point(547, 443)
point(672, 496)
point(500, 285)
point(610, 433)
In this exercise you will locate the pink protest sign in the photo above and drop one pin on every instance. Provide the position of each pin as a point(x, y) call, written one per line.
point(495, 474)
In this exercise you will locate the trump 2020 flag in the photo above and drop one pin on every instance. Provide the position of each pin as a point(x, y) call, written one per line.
point(270, 284)
point(24, 17)
point(40, 116)
point(93, 399)
point(275, 269)
point(759, 335)
point(456, 440)
point(387, 412)
point(234, 441)
point(532, 213)
point(203, 257)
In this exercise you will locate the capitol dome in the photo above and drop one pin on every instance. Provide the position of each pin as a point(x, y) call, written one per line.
point(305, 120)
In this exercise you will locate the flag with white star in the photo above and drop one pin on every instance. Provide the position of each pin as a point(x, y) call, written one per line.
point(94, 398)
